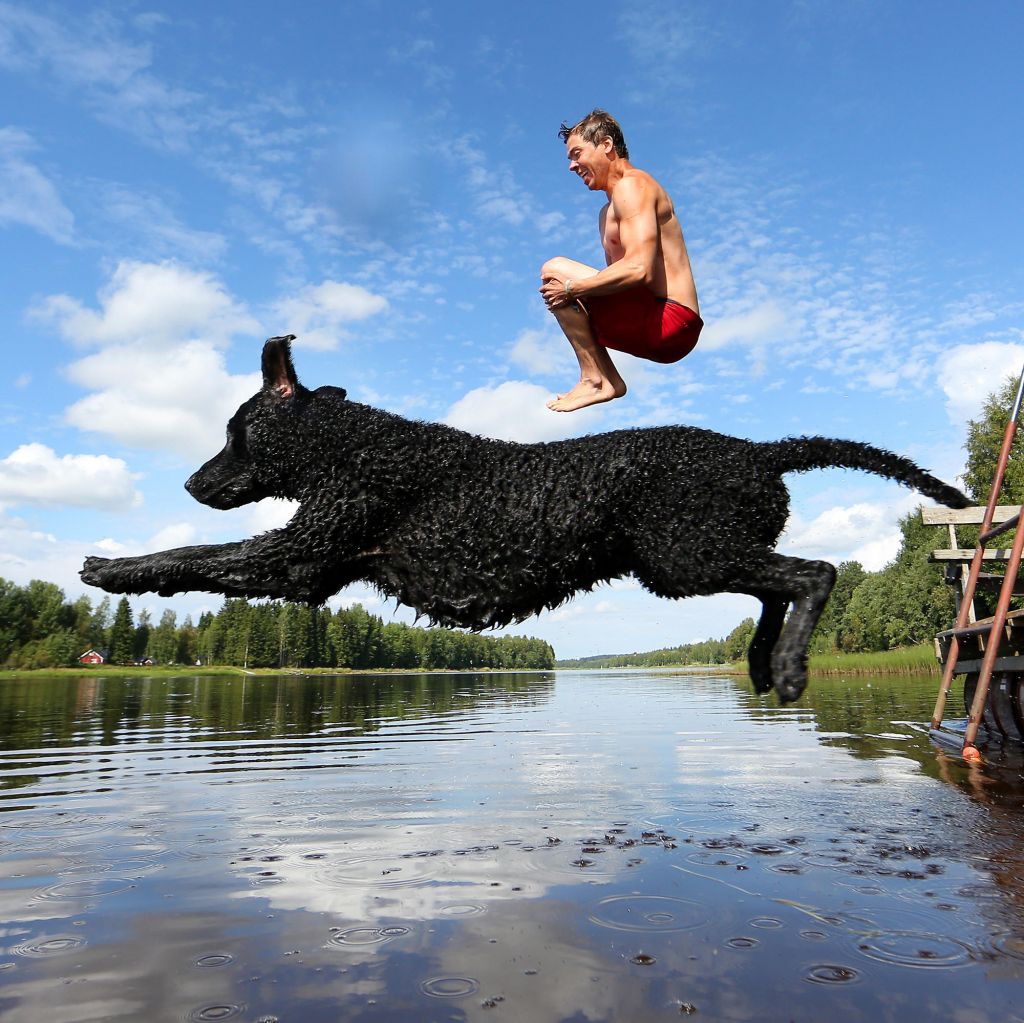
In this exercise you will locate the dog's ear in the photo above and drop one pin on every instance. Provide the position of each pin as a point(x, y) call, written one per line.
point(278, 372)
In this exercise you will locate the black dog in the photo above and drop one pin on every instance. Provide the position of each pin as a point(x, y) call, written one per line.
point(478, 533)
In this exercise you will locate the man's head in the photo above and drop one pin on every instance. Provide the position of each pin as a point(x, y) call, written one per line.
point(595, 127)
point(591, 145)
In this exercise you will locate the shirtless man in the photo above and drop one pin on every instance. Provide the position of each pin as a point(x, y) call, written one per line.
point(644, 301)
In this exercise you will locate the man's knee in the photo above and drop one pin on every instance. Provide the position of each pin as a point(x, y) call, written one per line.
point(555, 267)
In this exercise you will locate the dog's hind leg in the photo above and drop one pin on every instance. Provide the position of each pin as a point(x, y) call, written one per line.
point(769, 628)
point(804, 584)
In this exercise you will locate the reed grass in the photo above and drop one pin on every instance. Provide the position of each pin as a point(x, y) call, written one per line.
point(912, 660)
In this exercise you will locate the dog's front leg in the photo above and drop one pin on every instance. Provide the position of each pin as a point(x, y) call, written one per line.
point(230, 568)
point(271, 565)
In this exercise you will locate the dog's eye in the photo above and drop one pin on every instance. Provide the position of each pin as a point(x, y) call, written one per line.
point(236, 443)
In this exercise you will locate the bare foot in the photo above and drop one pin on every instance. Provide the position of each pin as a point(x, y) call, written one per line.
point(588, 392)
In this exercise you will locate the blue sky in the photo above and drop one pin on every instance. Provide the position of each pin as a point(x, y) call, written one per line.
point(384, 179)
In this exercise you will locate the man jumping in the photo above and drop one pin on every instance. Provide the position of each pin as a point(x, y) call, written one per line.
point(644, 302)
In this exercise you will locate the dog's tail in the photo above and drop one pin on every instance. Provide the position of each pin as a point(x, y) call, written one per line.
point(798, 454)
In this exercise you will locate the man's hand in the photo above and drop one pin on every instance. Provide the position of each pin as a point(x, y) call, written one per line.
point(554, 293)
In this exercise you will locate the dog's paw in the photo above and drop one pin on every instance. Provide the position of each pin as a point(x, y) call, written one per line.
point(107, 573)
point(94, 571)
point(789, 684)
point(789, 674)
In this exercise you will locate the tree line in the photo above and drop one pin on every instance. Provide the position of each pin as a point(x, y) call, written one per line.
point(39, 628)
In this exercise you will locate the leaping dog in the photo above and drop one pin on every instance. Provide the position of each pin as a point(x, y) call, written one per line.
point(479, 533)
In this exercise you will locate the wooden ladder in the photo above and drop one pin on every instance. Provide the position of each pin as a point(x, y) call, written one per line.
point(992, 628)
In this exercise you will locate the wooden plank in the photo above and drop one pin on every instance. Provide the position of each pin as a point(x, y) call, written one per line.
point(966, 516)
point(1012, 618)
point(973, 667)
point(966, 555)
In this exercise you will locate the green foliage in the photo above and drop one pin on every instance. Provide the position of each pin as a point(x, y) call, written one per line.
point(163, 641)
point(39, 629)
point(984, 442)
point(829, 633)
point(707, 651)
point(738, 640)
point(122, 633)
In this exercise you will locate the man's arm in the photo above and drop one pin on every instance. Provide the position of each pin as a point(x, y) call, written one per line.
point(634, 205)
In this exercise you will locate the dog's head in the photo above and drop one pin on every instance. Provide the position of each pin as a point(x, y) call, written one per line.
point(261, 438)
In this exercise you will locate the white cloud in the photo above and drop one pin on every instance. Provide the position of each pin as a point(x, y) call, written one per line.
point(865, 532)
point(34, 474)
point(542, 351)
point(148, 399)
point(27, 196)
point(496, 193)
point(178, 534)
point(764, 322)
point(158, 379)
point(317, 314)
point(515, 410)
point(151, 305)
point(149, 217)
point(969, 373)
point(86, 52)
point(27, 554)
point(272, 513)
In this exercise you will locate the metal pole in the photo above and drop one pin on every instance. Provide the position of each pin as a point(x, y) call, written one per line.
point(992, 649)
point(976, 562)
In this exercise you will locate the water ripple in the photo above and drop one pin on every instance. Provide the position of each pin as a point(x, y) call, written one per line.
point(915, 949)
point(657, 913)
point(44, 948)
point(450, 987)
point(364, 935)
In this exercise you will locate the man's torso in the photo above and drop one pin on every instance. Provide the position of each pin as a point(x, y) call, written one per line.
point(673, 277)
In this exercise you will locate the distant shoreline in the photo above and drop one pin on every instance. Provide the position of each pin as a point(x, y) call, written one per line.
point(913, 660)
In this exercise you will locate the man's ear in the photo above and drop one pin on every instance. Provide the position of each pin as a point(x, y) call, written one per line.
point(278, 372)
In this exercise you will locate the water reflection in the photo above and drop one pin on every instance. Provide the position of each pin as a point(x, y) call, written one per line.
point(613, 846)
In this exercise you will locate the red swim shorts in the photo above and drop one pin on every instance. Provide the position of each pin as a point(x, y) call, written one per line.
point(642, 324)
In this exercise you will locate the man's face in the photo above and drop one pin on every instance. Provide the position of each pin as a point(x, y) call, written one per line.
point(588, 161)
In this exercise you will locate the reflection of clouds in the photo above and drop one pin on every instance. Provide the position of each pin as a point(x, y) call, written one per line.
point(332, 863)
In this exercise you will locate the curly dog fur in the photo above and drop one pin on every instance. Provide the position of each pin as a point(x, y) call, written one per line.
point(478, 533)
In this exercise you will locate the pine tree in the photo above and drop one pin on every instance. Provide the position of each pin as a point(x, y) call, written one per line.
point(122, 633)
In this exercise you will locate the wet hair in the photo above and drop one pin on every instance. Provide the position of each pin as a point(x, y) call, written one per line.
point(597, 125)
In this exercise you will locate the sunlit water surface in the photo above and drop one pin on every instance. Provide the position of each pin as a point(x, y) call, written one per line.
point(617, 846)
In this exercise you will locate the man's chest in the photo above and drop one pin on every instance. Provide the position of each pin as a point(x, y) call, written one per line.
point(610, 240)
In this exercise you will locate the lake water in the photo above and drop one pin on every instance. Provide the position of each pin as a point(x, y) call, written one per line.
point(577, 847)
